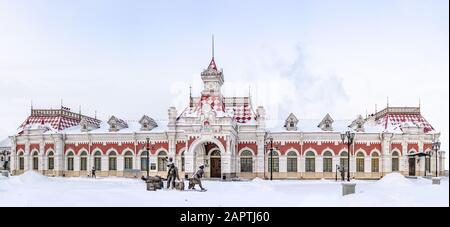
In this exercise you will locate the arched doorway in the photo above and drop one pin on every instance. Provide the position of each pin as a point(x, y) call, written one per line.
point(412, 165)
point(207, 151)
point(215, 166)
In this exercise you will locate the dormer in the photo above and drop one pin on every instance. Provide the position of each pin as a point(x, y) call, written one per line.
point(327, 123)
point(116, 124)
point(358, 124)
point(87, 126)
point(291, 123)
point(147, 123)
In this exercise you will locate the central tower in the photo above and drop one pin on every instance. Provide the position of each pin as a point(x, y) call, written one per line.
point(212, 78)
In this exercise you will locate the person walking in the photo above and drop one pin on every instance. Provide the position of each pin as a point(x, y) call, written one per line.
point(93, 172)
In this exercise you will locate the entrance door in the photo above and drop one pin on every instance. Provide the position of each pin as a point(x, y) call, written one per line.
point(412, 166)
point(215, 168)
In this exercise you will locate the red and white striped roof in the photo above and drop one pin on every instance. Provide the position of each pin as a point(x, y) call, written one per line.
point(241, 113)
point(398, 120)
point(58, 119)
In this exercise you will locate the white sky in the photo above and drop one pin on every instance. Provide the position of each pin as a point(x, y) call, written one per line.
point(307, 57)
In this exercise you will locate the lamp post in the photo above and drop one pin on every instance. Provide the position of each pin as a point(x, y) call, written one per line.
point(270, 139)
point(348, 138)
point(436, 147)
point(148, 157)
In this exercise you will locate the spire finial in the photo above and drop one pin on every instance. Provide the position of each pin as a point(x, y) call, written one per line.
point(191, 102)
point(32, 106)
point(419, 103)
point(387, 101)
point(61, 103)
point(95, 114)
point(212, 46)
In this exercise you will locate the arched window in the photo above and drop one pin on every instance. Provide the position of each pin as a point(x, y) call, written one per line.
point(51, 161)
point(128, 160)
point(375, 162)
point(273, 163)
point(395, 161)
point(70, 161)
point(360, 162)
point(35, 161)
point(344, 160)
point(83, 161)
point(292, 161)
point(21, 161)
point(112, 160)
point(162, 161)
point(310, 162)
point(246, 161)
point(98, 160)
point(327, 162)
point(144, 160)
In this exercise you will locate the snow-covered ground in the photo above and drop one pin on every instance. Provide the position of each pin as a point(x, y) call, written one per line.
point(32, 189)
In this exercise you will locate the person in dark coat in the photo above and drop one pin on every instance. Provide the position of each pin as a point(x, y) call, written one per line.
point(172, 175)
point(93, 172)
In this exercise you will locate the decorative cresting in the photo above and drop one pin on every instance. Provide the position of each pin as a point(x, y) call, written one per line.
point(327, 123)
point(147, 123)
point(291, 123)
point(358, 124)
point(115, 124)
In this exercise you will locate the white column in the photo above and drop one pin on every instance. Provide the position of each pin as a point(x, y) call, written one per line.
point(27, 156)
point(367, 164)
point(120, 163)
point(225, 164)
point(189, 162)
point(42, 165)
point(105, 164)
point(59, 153)
point(302, 164)
point(299, 165)
point(260, 156)
point(336, 161)
point(283, 164)
point(76, 163)
point(319, 164)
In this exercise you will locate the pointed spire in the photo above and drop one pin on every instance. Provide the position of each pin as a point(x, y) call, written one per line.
point(191, 101)
point(419, 103)
point(213, 46)
point(387, 101)
point(31, 106)
point(212, 64)
point(95, 114)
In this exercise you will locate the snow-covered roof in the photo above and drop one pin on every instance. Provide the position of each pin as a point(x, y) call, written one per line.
point(133, 126)
point(5, 143)
point(311, 125)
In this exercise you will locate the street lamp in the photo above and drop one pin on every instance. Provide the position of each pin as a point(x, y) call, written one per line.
point(270, 139)
point(147, 145)
point(436, 147)
point(348, 138)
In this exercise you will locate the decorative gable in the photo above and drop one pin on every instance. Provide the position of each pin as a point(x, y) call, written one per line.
point(291, 123)
point(115, 124)
point(87, 125)
point(147, 123)
point(327, 123)
point(358, 124)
